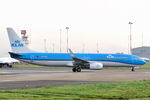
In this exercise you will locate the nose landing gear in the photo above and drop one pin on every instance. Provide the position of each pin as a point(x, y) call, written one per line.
point(133, 69)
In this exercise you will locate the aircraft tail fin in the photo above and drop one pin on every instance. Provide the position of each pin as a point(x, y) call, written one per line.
point(17, 45)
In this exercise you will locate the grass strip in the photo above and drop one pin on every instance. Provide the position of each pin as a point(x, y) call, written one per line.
point(118, 90)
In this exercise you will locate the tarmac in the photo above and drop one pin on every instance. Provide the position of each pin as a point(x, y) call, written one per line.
point(15, 78)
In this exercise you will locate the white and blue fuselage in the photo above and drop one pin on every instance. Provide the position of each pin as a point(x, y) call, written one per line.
point(64, 59)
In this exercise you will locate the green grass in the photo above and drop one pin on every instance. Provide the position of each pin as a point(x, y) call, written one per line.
point(146, 66)
point(139, 90)
point(28, 65)
point(3, 74)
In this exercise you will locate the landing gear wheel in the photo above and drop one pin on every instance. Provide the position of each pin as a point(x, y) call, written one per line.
point(74, 69)
point(78, 69)
point(10, 66)
point(132, 69)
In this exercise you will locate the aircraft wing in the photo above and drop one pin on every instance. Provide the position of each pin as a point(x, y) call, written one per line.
point(77, 60)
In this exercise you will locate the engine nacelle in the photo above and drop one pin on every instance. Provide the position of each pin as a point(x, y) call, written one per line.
point(96, 65)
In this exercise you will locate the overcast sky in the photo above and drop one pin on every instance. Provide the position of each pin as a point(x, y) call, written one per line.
point(90, 21)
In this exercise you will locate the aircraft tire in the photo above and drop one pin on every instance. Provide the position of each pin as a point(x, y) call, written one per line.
point(132, 69)
point(74, 69)
point(10, 66)
point(78, 69)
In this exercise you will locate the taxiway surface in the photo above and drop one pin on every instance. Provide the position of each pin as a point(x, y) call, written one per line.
point(38, 77)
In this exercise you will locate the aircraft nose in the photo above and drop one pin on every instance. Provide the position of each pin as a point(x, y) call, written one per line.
point(145, 59)
point(143, 62)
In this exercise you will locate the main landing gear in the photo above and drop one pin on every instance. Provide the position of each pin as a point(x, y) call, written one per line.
point(76, 69)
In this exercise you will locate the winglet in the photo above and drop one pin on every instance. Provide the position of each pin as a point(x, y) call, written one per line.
point(71, 53)
point(77, 60)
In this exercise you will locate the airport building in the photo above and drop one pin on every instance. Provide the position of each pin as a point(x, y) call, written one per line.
point(143, 51)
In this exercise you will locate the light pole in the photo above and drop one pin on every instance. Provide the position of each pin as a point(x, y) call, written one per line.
point(130, 23)
point(45, 48)
point(97, 47)
point(60, 40)
point(53, 47)
point(83, 48)
point(142, 39)
point(67, 38)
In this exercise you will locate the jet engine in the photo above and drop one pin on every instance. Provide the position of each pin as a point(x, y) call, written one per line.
point(96, 65)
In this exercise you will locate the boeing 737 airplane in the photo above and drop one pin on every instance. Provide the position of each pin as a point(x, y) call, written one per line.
point(77, 60)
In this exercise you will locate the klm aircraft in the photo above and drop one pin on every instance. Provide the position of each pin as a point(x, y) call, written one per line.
point(76, 60)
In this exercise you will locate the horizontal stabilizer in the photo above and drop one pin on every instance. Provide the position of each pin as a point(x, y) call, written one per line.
point(14, 54)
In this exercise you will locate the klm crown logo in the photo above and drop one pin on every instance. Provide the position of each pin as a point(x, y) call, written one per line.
point(17, 43)
point(110, 56)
